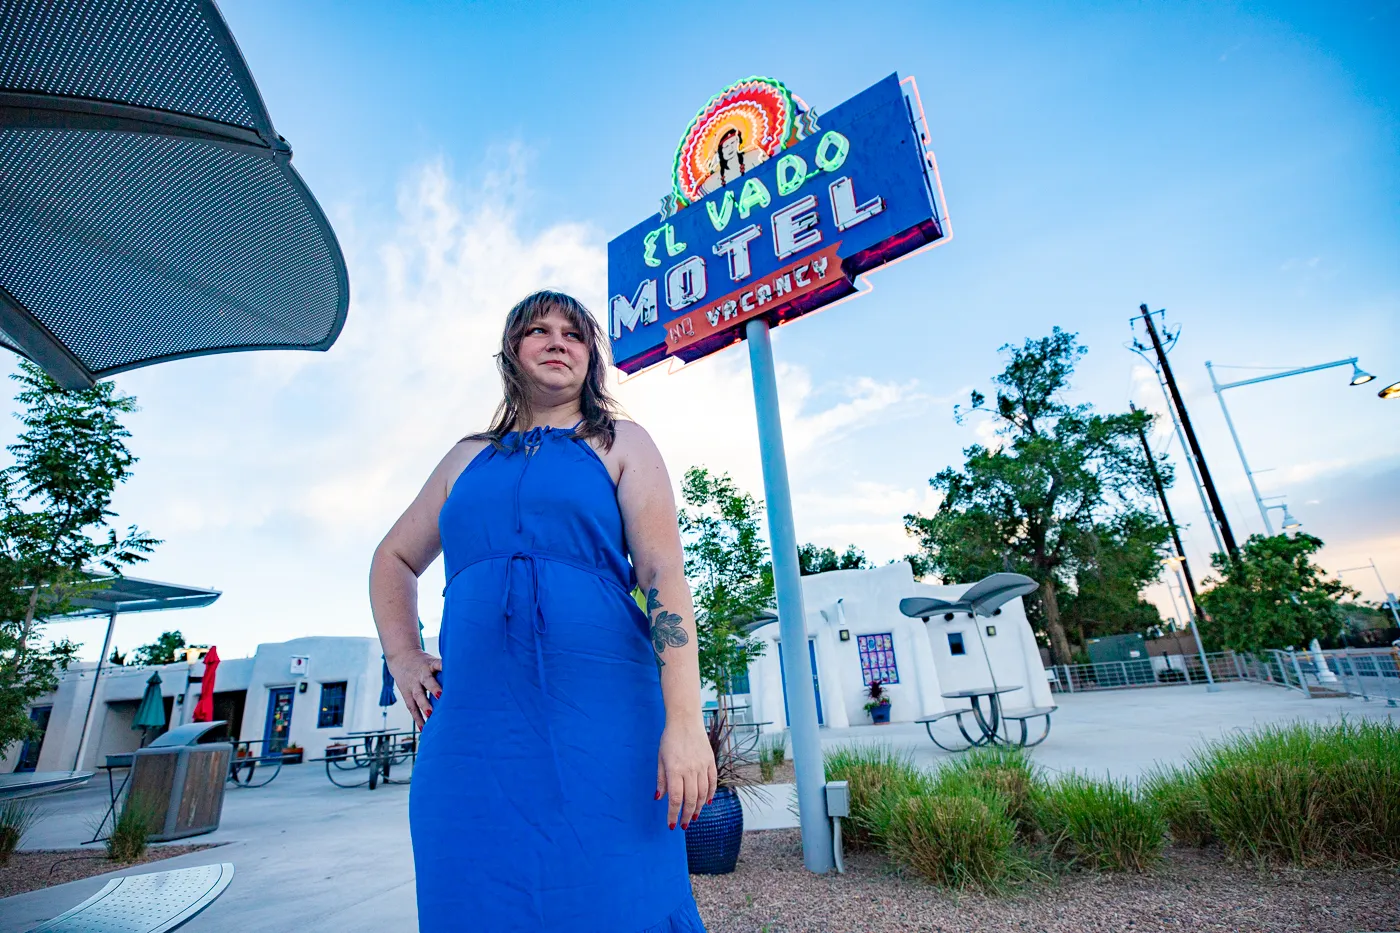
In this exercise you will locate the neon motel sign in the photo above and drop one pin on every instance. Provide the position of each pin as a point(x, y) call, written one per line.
point(774, 211)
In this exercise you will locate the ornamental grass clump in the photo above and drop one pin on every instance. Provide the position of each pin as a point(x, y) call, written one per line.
point(955, 840)
point(1306, 794)
point(1176, 795)
point(1101, 824)
point(132, 830)
point(1006, 772)
point(16, 816)
point(879, 780)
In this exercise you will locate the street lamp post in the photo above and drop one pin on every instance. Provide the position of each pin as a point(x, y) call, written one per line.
point(1175, 563)
point(1389, 596)
point(1358, 377)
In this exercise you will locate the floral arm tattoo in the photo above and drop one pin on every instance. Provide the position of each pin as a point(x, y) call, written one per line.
point(665, 627)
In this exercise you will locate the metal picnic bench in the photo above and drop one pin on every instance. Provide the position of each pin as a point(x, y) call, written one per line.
point(154, 902)
point(988, 723)
point(375, 750)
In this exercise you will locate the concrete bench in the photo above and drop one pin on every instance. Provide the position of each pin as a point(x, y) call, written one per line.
point(151, 903)
point(1021, 715)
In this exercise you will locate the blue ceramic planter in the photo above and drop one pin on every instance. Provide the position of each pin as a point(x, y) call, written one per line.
point(880, 713)
point(713, 837)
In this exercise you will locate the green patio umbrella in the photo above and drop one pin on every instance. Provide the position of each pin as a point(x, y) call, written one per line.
point(151, 713)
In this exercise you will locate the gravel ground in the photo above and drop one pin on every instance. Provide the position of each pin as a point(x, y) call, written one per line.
point(40, 868)
point(771, 892)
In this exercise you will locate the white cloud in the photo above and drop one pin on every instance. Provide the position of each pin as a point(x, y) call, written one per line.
point(272, 475)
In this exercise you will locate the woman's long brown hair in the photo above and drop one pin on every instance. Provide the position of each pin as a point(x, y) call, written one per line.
point(598, 409)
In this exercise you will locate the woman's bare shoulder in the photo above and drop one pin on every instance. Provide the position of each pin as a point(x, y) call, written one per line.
point(457, 460)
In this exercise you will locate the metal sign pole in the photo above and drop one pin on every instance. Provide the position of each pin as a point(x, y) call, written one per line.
point(792, 620)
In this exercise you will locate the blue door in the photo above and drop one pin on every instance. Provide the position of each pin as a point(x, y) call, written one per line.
point(279, 720)
point(816, 686)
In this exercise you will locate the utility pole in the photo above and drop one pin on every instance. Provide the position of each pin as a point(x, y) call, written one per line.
point(1196, 454)
point(1183, 569)
point(1167, 511)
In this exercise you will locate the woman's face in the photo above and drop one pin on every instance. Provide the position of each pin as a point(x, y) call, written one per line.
point(554, 355)
point(729, 147)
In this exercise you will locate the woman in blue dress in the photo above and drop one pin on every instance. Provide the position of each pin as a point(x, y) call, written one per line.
point(563, 748)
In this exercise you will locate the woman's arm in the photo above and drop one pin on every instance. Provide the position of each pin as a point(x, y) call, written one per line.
point(406, 551)
point(686, 764)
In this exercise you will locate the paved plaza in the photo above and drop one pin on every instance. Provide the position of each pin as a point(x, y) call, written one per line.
point(310, 856)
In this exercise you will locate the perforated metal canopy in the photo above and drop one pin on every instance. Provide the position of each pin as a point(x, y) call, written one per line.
point(148, 209)
point(130, 594)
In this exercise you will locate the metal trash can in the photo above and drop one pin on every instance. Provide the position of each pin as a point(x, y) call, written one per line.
point(182, 779)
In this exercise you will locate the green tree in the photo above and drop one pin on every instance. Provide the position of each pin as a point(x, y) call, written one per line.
point(56, 542)
point(812, 559)
point(117, 659)
point(160, 651)
point(1272, 596)
point(1061, 480)
point(726, 563)
point(1121, 557)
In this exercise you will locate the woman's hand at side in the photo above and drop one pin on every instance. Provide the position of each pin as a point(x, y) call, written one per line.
point(685, 771)
point(414, 672)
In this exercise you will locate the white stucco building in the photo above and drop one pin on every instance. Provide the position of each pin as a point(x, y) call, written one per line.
point(300, 692)
point(855, 631)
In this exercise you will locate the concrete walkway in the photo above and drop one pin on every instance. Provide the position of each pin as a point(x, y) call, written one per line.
point(310, 856)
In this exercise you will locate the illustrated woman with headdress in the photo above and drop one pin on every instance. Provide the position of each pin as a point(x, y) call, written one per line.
point(730, 160)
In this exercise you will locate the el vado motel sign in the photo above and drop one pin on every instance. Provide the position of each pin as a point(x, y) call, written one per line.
point(775, 212)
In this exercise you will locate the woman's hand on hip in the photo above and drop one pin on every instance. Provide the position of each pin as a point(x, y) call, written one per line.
point(685, 771)
point(414, 673)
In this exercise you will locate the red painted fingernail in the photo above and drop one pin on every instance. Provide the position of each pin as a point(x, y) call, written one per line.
point(685, 826)
point(673, 825)
point(658, 796)
point(438, 695)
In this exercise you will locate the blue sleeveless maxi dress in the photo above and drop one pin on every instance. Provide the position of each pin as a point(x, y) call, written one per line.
point(532, 806)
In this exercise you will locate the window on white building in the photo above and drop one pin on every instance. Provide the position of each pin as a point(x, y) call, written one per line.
point(877, 658)
point(332, 706)
point(955, 643)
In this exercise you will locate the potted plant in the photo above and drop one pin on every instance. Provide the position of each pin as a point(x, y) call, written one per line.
point(878, 706)
point(713, 837)
point(337, 750)
point(291, 754)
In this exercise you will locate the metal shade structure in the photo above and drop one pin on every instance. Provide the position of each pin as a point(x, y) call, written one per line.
point(984, 598)
point(128, 594)
point(149, 210)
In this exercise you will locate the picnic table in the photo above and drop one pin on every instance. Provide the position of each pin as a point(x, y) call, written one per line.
point(990, 722)
point(745, 735)
point(243, 766)
point(375, 751)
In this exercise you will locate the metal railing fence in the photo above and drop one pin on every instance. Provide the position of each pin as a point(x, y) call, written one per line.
point(1144, 672)
point(1367, 673)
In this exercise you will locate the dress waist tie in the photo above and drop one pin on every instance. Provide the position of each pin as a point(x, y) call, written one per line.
point(538, 628)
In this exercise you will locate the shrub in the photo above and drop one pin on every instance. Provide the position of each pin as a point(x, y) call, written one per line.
point(16, 816)
point(953, 840)
point(1306, 794)
point(131, 830)
point(765, 761)
point(1099, 824)
point(1006, 772)
point(1176, 795)
point(879, 780)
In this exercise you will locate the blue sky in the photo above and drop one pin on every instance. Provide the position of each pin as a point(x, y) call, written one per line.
point(1236, 164)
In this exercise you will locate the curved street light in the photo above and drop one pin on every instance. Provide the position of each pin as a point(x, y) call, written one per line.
point(1359, 376)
